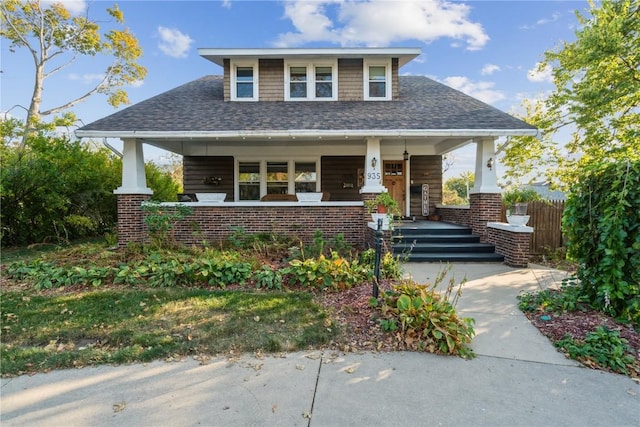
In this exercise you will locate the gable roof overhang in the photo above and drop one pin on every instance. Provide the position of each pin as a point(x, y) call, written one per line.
point(218, 55)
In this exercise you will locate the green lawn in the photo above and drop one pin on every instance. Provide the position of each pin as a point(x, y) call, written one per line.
point(41, 332)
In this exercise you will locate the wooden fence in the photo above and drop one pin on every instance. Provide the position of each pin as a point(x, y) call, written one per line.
point(546, 220)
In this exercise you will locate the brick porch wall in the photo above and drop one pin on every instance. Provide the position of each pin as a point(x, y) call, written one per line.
point(213, 224)
point(484, 208)
point(457, 215)
point(130, 225)
point(513, 244)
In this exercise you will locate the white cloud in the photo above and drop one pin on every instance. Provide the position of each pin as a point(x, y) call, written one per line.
point(489, 69)
point(75, 7)
point(87, 78)
point(540, 75)
point(543, 21)
point(380, 23)
point(226, 4)
point(173, 42)
point(481, 90)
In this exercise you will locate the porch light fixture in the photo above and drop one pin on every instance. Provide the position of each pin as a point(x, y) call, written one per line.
point(405, 155)
point(374, 162)
point(490, 163)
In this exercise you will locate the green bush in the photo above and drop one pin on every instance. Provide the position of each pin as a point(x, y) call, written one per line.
point(602, 223)
point(52, 189)
point(424, 320)
point(334, 273)
point(603, 347)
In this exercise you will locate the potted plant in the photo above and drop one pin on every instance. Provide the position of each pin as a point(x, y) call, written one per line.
point(516, 201)
point(383, 206)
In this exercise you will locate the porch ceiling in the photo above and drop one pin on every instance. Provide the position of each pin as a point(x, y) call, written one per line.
point(419, 144)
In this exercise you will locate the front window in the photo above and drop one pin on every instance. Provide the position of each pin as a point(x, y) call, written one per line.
point(305, 177)
point(277, 178)
point(249, 181)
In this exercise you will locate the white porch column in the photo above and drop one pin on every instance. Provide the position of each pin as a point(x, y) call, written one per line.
point(134, 180)
point(485, 173)
point(373, 168)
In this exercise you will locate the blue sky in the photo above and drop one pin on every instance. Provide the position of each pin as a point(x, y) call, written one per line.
point(487, 49)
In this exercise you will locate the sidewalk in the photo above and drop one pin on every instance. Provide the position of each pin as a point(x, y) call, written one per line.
point(518, 379)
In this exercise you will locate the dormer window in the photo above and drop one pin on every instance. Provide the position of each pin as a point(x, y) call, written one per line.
point(298, 82)
point(377, 82)
point(244, 84)
point(308, 82)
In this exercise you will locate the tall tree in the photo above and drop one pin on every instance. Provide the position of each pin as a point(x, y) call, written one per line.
point(55, 38)
point(597, 95)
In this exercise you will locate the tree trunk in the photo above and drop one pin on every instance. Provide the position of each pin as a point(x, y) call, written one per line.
point(33, 114)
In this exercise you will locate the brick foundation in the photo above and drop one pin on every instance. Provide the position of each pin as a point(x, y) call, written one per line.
point(130, 225)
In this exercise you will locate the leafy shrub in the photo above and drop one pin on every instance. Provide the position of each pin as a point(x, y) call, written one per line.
point(424, 320)
point(602, 224)
point(47, 275)
point(520, 195)
point(390, 267)
point(52, 189)
point(603, 347)
point(161, 220)
point(268, 278)
point(334, 273)
point(567, 298)
point(48, 180)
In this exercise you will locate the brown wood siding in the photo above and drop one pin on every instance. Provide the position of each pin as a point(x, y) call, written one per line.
point(395, 88)
point(350, 84)
point(271, 80)
point(195, 168)
point(425, 170)
point(227, 80)
point(338, 171)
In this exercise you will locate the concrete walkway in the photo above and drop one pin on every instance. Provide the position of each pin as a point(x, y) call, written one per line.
point(518, 379)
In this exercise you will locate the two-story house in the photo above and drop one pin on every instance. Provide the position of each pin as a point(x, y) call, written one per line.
point(342, 122)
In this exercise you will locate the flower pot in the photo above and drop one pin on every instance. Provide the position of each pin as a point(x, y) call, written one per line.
point(518, 220)
point(384, 217)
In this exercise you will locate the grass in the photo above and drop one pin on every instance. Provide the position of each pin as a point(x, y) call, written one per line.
point(42, 332)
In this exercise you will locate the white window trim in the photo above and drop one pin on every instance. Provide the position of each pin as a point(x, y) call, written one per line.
point(232, 78)
point(311, 80)
point(388, 89)
point(291, 165)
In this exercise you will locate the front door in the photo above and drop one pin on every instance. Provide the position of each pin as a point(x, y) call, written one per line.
point(394, 181)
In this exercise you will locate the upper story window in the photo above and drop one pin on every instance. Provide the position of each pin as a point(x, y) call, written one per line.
point(304, 82)
point(377, 81)
point(244, 82)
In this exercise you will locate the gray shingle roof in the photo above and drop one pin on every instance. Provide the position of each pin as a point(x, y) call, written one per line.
point(198, 106)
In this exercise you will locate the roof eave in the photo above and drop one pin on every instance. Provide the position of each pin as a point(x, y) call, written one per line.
point(302, 133)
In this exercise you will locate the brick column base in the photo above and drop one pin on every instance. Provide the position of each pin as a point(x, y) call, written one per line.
point(131, 227)
point(484, 207)
point(512, 242)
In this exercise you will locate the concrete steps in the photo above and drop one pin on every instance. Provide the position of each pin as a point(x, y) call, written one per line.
point(430, 241)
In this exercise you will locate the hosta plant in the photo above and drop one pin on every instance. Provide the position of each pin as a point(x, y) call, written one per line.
point(424, 320)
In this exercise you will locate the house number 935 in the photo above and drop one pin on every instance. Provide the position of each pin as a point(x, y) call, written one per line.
point(373, 175)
